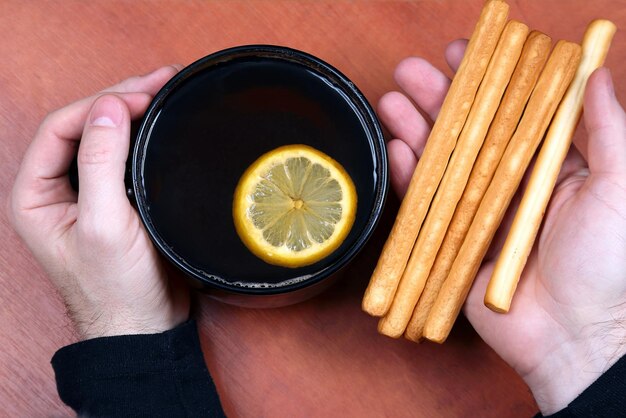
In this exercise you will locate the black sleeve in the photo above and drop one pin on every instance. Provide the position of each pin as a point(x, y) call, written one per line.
point(605, 398)
point(155, 375)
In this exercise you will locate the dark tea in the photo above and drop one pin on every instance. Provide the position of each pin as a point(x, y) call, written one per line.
point(211, 126)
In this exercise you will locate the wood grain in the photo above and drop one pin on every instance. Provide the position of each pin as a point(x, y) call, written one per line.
point(319, 358)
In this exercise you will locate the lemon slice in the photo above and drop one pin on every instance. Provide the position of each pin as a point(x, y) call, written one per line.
point(294, 206)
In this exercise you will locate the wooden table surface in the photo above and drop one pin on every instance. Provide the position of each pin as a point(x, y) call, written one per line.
point(321, 358)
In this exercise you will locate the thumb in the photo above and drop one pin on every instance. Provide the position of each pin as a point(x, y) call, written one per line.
point(605, 123)
point(102, 158)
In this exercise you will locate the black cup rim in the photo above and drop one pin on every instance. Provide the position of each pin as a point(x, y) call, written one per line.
point(313, 63)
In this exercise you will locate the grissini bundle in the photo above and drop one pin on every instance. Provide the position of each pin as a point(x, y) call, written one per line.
point(487, 100)
point(533, 57)
point(529, 215)
point(431, 166)
point(548, 92)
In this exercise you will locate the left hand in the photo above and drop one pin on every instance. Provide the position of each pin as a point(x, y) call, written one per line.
point(92, 243)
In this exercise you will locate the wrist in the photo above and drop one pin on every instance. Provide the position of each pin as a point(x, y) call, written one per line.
point(145, 301)
point(573, 365)
point(116, 325)
point(128, 318)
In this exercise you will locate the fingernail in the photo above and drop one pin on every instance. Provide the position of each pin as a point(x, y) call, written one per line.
point(106, 112)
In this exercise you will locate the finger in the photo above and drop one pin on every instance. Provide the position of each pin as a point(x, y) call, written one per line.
point(402, 162)
point(423, 83)
point(454, 53)
point(102, 160)
point(605, 123)
point(580, 141)
point(42, 177)
point(497, 242)
point(573, 165)
point(138, 91)
point(474, 308)
point(150, 83)
point(404, 121)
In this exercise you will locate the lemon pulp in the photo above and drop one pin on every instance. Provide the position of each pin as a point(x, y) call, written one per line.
point(294, 206)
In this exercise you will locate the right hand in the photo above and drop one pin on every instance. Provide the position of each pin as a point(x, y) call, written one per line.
point(566, 324)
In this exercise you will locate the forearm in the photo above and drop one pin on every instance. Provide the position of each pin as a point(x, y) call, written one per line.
point(153, 375)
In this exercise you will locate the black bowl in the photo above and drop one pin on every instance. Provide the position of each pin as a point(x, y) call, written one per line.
point(210, 122)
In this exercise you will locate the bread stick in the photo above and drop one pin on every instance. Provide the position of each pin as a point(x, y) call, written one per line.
point(483, 109)
point(529, 215)
point(544, 99)
point(533, 57)
point(431, 166)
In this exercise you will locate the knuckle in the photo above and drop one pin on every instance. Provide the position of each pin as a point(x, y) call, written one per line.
point(14, 210)
point(126, 86)
point(94, 152)
point(11, 210)
point(51, 120)
point(47, 124)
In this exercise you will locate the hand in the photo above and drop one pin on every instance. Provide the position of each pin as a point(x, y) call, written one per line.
point(92, 243)
point(567, 322)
